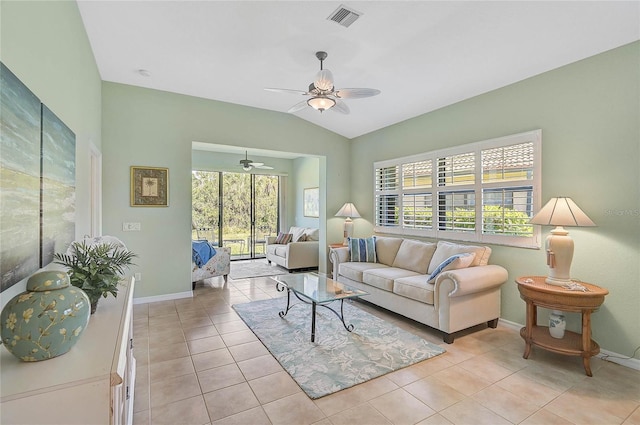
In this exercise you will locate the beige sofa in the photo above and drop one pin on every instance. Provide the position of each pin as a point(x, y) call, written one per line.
point(397, 281)
point(301, 253)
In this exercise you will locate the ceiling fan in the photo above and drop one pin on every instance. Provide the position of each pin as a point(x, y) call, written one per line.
point(248, 164)
point(323, 94)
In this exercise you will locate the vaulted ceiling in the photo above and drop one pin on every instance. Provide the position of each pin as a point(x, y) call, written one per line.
point(422, 55)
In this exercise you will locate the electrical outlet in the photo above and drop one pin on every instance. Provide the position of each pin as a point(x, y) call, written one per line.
point(138, 277)
point(131, 227)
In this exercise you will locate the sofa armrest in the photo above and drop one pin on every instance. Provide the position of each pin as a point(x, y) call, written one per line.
point(302, 254)
point(470, 280)
point(337, 256)
point(270, 239)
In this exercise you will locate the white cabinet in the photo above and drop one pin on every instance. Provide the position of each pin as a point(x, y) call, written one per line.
point(91, 384)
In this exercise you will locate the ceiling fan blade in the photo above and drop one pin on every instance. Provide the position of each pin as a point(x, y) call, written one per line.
point(341, 107)
point(263, 167)
point(257, 164)
point(290, 91)
point(355, 93)
point(298, 106)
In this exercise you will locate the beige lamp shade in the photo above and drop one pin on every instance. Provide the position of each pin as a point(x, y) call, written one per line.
point(559, 212)
point(348, 210)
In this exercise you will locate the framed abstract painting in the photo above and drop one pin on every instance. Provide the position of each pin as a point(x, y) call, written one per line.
point(311, 202)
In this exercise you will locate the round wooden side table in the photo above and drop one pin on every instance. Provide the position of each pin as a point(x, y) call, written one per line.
point(537, 293)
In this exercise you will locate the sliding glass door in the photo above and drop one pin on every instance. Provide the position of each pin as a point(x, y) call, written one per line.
point(265, 212)
point(205, 206)
point(237, 210)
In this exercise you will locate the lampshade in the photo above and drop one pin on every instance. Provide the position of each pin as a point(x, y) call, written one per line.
point(348, 210)
point(321, 103)
point(561, 211)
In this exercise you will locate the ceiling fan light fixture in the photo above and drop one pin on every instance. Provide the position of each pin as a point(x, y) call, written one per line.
point(324, 80)
point(321, 103)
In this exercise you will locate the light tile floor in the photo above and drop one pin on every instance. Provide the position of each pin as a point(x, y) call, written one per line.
point(199, 364)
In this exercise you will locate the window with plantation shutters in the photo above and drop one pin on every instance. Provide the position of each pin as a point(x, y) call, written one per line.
point(387, 196)
point(484, 191)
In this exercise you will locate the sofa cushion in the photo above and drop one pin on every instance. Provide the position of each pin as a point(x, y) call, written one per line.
point(354, 271)
point(383, 277)
point(362, 250)
point(296, 233)
point(386, 249)
point(283, 238)
point(455, 262)
point(281, 251)
point(414, 255)
point(312, 234)
point(447, 249)
point(414, 287)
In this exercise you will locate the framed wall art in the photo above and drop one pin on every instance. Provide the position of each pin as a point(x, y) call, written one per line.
point(149, 187)
point(20, 112)
point(311, 202)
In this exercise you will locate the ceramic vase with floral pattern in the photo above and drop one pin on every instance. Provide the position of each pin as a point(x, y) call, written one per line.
point(557, 324)
point(47, 320)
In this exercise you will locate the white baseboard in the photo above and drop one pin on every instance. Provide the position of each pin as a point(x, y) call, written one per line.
point(167, 297)
point(612, 357)
point(607, 355)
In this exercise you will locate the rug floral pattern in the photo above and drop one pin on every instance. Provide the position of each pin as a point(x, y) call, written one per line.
point(337, 359)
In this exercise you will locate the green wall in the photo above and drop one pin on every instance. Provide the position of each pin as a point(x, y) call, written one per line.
point(589, 115)
point(45, 45)
point(154, 128)
point(306, 172)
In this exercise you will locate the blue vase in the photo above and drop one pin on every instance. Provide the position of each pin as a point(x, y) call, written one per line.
point(47, 319)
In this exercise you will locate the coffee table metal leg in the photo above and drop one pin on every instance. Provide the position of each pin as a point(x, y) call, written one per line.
point(313, 322)
point(280, 289)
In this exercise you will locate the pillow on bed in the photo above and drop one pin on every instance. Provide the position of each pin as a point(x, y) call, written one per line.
point(455, 262)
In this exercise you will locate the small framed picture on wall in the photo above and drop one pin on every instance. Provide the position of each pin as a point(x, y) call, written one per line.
point(149, 187)
point(311, 200)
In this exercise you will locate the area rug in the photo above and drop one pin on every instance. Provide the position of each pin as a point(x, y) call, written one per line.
point(337, 359)
point(248, 269)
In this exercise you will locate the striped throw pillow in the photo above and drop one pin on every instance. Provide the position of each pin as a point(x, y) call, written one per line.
point(283, 238)
point(455, 262)
point(363, 250)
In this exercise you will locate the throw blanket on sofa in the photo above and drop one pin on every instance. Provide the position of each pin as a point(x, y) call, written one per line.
point(201, 252)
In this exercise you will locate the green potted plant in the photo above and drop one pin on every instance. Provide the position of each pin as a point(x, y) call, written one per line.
point(96, 268)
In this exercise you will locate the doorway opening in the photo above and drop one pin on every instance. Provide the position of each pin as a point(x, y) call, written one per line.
point(238, 210)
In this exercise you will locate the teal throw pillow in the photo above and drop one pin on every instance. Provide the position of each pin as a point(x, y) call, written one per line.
point(363, 250)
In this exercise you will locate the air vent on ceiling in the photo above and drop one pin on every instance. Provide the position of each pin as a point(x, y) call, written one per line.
point(344, 16)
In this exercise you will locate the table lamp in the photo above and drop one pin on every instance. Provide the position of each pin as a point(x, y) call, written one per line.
point(348, 210)
point(559, 212)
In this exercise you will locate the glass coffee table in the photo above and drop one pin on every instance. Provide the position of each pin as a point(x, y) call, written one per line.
point(316, 290)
